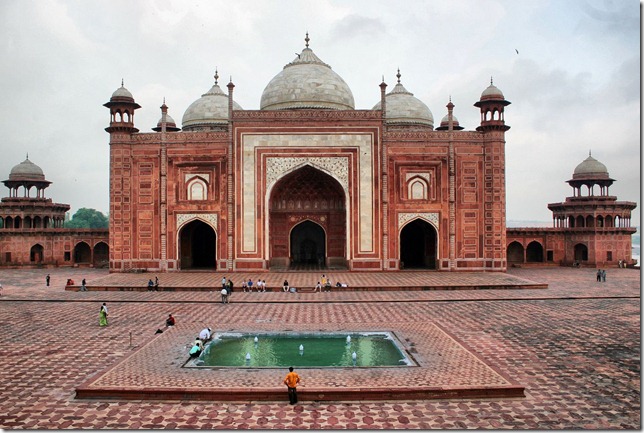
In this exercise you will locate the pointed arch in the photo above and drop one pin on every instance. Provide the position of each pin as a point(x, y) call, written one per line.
point(515, 252)
point(418, 242)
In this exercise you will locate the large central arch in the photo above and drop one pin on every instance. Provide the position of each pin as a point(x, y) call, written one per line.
point(418, 245)
point(312, 196)
point(197, 246)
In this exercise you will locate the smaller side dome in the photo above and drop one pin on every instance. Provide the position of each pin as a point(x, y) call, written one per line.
point(26, 170)
point(590, 167)
point(445, 124)
point(209, 111)
point(492, 93)
point(122, 94)
point(403, 108)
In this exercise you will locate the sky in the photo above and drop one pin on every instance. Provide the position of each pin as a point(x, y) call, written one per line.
point(571, 70)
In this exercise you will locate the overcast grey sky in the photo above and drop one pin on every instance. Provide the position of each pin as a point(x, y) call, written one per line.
point(574, 83)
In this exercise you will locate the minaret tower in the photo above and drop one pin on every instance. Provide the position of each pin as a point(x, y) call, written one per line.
point(492, 105)
point(122, 106)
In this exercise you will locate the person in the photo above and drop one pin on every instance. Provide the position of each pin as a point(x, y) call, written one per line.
point(599, 274)
point(224, 283)
point(291, 381)
point(156, 284)
point(285, 286)
point(83, 287)
point(150, 284)
point(196, 349)
point(229, 286)
point(0, 289)
point(244, 286)
point(170, 320)
point(263, 285)
point(204, 335)
point(47, 278)
point(318, 287)
point(224, 296)
point(70, 282)
point(102, 315)
point(603, 275)
point(327, 285)
point(323, 279)
point(250, 285)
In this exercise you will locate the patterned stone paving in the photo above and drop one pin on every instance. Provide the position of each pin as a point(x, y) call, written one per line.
point(575, 346)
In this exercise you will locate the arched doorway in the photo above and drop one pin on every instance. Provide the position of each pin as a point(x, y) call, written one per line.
point(515, 253)
point(82, 253)
point(314, 200)
point(308, 244)
point(198, 246)
point(581, 253)
point(101, 255)
point(534, 252)
point(36, 253)
point(418, 245)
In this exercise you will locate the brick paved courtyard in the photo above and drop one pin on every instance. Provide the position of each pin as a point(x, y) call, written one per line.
point(574, 346)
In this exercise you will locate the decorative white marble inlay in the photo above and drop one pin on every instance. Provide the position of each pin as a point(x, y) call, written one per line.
point(204, 176)
point(338, 167)
point(209, 218)
point(426, 176)
point(431, 217)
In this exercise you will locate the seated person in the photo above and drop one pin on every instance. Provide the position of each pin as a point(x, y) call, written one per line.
point(204, 335)
point(150, 284)
point(170, 320)
point(318, 287)
point(285, 286)
point(70, 282)
point(250, 285)
point(197, 348)
point(244, 286)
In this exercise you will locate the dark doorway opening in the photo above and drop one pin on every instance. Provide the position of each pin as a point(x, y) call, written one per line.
point(308, 244)
point(198, 244)
point(418, 245)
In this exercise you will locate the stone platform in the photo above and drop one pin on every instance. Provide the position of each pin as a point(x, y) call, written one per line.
point(574, 348)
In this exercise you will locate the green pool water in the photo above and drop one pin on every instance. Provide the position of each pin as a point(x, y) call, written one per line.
point(319, 350)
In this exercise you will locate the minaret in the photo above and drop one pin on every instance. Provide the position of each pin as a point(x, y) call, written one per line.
point(122, 106)
point(492, 105)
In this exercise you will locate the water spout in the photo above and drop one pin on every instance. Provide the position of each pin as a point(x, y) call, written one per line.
point(354, 356)
point(256, 340)
point(247, 356)
point(348, 339)
point(301, 349)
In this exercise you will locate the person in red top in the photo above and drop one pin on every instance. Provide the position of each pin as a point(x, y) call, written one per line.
point(291, 381)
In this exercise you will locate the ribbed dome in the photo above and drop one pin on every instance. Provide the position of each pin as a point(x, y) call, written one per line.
point(307, 82)
point(26, 170)
point(209, 110)
point(404, 108)
point(590, 167)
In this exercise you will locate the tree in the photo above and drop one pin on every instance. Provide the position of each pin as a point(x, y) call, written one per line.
point(85, 218)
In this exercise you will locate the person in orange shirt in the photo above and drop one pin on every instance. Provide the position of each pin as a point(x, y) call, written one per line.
point(291, 381)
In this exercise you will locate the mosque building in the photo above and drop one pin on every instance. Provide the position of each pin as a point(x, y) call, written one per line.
point(308, 180)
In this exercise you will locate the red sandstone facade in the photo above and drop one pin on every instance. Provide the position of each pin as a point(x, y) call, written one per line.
point(308, 179)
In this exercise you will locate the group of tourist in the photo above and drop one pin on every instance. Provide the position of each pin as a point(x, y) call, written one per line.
point(197, 347)
point(153, 285)
point(248, 286)
point(601, 275)
point(226, 289)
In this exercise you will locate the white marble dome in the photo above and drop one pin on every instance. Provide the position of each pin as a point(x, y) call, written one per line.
point(492, 93)
point(403, 108)
point(307, 82)
point(209, 110)
point(122, 93)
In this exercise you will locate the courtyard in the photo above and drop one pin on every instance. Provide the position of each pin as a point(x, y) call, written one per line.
point(573, 348)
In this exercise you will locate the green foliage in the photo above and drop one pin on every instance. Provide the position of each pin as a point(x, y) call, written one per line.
point(85, 218)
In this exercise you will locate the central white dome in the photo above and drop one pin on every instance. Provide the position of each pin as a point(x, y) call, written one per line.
point(307, 82)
